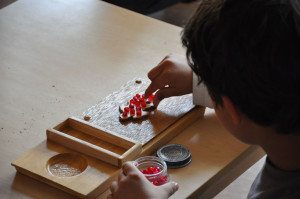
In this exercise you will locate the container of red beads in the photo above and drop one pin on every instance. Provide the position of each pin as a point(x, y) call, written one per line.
point(154, 169)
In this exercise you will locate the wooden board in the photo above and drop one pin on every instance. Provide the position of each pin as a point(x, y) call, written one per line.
point(74, 167)
point(105, 113)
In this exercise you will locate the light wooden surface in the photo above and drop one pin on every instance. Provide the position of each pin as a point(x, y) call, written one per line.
point(58, 58)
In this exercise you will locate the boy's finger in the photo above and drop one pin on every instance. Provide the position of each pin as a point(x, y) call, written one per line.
point(151, 89)
point(170, 187)
point(154, 72)
point(113, 187)
point(128, 168)
point(158, 83)
point(121, 176)
point(162, 94)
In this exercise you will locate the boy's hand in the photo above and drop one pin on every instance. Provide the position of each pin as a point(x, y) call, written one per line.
point(171, 77)
point(133, 184)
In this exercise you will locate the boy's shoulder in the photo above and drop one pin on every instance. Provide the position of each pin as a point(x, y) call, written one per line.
point(272, 182)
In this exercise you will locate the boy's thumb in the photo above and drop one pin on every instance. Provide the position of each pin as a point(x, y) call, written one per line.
point(170, 187)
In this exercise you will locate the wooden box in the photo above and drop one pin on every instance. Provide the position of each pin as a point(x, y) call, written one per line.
point(86, 138)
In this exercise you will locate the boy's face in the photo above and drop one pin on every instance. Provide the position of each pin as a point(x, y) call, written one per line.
point(236, 123)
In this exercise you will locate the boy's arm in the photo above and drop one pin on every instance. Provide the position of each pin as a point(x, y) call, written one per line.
point(200, 93)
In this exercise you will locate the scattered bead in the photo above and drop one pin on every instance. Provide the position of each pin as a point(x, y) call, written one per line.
point(138, 81)
point(87, 117)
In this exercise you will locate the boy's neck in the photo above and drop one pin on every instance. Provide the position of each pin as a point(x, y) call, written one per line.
point(283, 150)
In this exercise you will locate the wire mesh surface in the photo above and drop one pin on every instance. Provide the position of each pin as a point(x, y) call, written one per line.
point(105, 113)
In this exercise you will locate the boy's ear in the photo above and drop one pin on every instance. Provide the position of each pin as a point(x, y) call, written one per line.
point(232, 110)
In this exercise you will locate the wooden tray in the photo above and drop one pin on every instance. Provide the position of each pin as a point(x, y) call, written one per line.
point(89, 139)
point(82, 158)
point(80, 175)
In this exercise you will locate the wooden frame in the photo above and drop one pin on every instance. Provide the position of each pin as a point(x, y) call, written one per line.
point(91, 140)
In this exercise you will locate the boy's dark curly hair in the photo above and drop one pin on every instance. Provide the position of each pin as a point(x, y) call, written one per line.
point(249, 51)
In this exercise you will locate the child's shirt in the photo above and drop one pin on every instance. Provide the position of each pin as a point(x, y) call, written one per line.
point(200, 93)
point(272, 182)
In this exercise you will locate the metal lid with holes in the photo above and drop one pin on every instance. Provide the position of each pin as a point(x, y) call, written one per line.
point(175, 155)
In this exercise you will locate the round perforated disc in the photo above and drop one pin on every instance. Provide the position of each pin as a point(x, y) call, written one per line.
point(175, 155)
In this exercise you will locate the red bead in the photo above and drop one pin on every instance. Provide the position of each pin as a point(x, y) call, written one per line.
point(131, 101)
point(144, 171)
point(138, 96)
point(151, 97)
point(143, 104)
point(162, 180)
point(132, 112)
point(156, 170)
point(137, 103)
point(124, 114)
point(139, 113)
point(151, 170)
point(126, 109)
point(156, 183)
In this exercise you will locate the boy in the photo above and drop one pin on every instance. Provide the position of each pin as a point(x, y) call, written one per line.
point(246, 52)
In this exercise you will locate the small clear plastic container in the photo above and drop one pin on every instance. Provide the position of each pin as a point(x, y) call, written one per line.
point(154, 169)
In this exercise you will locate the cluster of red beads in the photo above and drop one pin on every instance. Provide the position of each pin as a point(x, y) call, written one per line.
point(160, 180)
point(151, 170)
point(136, 104)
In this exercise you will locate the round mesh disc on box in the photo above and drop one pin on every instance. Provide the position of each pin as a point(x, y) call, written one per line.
point(175, 155)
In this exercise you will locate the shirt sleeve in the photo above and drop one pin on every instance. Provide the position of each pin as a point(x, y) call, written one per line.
point(200, 93)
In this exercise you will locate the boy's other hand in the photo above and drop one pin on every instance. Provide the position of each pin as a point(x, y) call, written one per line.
point(171, 77)
point(133, 184)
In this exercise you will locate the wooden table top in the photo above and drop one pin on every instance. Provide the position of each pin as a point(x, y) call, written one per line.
point(59, 57)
